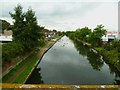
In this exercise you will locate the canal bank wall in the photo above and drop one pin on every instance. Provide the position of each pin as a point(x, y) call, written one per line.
point(44, 51)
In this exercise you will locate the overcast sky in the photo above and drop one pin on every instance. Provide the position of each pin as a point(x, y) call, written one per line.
point(67, 15)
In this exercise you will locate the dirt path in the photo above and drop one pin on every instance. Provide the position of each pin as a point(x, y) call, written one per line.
point(18, 72)
point(41, 52)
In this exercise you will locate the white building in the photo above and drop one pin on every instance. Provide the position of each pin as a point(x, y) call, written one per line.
point(6, 36)
point(110, 36)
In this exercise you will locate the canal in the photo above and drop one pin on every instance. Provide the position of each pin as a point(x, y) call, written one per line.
point(69, 62)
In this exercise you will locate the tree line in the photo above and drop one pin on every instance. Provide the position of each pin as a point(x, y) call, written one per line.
point(110, 51)
point(94, 37)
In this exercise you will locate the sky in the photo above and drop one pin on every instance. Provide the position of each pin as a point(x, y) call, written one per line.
point(67, 15)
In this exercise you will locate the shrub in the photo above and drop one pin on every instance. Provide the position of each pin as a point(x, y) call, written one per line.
point(10, 50)
point(113, 45)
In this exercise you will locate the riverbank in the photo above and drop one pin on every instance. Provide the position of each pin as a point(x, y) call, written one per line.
point(41, 54)
point(111, 57)
point(66, 56)
point(84, 43)
point(20, 72)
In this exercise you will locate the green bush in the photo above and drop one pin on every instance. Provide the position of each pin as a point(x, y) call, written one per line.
point(113, 45)
point(11, 50)
point(111, 56)
point(42, 43)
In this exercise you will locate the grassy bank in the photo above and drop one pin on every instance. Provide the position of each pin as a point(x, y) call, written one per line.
point(110, 52)
point(22, 76)
point(16, 69)
point(20, 72)
point(110, 57)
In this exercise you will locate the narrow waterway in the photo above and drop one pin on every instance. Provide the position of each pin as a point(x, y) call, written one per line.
point(69, 62)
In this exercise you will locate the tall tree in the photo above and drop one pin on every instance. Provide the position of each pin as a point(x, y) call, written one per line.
point(25, 28)
point(96, 35)
point(32, 30)
point(83, 33)
point(19, 23)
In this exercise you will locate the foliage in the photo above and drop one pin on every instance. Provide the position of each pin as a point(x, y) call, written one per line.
point(83, 33)
point(111, 55)
point(42, 43)
point(110, 51)
point(22, 77)
point(96, 61)
point(5, 24)
point(17, 67)
point(32, 30)
point(99, 31)
point(87, 35)
point(113, 52)
point(26, 34)
point(19, 23)
point(61, 33)
point(115, 44)
point(71, 34)
point(96, 35)
point(10, 50)
point(25, 28)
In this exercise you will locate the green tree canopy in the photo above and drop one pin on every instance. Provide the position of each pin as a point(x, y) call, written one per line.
point(99, 31)
point(26, 29)
point(83, 33)
point(96, 36)
point(32, 30)
point(19, 23)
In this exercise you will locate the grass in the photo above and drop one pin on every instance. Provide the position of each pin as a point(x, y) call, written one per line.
point(111, 56)
point(28, 65)
point(22, 77)
point(16, 68)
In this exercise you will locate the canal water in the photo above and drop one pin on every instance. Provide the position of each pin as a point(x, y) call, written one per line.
point(69, 62)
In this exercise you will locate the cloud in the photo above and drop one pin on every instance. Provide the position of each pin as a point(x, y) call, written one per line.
point(68, 15)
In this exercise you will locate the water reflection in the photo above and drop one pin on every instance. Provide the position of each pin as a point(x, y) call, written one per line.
point(35, 77)
point(94, 58)
point(115, 72)
point(96, 61)
point(73, 63)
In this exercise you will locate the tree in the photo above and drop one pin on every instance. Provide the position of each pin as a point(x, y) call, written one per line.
point(19, 23)
point(32, 30)
point(99, 31)
point(5, 25)
point(83, 33)
point(96, 35)
point(25, 28)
